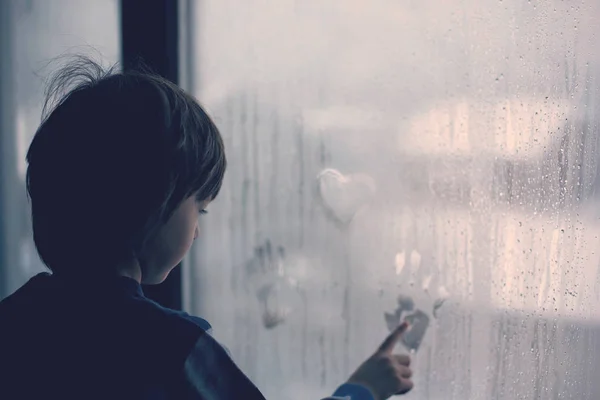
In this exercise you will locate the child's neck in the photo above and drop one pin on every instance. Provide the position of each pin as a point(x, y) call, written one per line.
point(130, 269)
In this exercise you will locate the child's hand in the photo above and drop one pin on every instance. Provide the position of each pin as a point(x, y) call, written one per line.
point(384, 373)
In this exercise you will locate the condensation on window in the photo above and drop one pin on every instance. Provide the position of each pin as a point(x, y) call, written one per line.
point(388, 156)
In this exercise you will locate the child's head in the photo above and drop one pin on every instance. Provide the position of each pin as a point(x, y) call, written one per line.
point(118, 171)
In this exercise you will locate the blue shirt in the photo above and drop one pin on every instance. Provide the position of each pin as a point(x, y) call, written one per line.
point(66, 339)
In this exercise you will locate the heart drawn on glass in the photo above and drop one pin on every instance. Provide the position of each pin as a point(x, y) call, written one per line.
point(344, 195)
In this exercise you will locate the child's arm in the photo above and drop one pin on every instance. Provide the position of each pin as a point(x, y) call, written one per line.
point(384, 374)
point(210, 373)
point(351, 391)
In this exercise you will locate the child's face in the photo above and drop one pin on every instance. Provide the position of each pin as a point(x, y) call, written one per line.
point(172, 241)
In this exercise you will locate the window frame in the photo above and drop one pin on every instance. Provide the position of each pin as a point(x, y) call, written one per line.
point(150, 33)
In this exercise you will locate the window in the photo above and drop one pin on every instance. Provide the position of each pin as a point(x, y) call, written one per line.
point(35, 33)
point(445, 151)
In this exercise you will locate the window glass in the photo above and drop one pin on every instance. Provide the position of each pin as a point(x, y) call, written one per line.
point(383, 152)
point(39, 31)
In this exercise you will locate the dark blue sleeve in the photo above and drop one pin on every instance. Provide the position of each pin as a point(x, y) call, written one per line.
point(351, 391)
point(209, 373)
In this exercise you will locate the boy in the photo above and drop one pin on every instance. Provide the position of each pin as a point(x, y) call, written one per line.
point(117, 174)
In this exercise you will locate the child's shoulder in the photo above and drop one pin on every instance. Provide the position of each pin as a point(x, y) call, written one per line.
point(181, 318)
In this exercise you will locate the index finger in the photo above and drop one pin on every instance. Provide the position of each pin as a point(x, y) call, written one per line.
point(390, 342)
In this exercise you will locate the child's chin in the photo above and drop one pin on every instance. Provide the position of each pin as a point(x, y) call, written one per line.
point(155, 279)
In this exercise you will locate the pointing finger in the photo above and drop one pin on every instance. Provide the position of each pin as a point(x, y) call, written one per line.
point(390, 342)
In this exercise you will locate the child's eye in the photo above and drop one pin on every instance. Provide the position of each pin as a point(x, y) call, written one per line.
point(203, 212)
